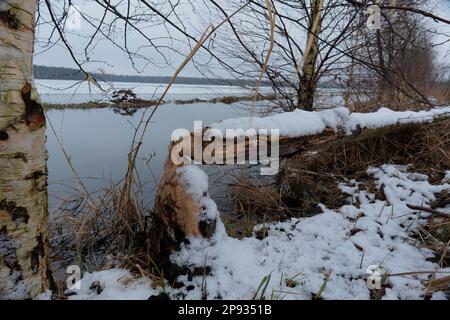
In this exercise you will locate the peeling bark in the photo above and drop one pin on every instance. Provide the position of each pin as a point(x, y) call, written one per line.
point(177, 216)
point(24, 267)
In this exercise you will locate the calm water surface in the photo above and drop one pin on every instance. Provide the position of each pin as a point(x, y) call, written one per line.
point(98, 141)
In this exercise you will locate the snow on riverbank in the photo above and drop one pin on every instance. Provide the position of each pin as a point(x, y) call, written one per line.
point(299, 254)
point(301, 123)
point(342, 243)
point(113, 284)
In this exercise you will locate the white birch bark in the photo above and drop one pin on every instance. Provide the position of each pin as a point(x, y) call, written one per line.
point(24, 268)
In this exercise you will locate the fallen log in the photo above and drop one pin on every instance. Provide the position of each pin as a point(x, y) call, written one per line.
point(180, 212)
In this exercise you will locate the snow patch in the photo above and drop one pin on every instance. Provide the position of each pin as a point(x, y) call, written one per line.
point(385, 117)
point(291, 124)
point(447, 177)
point(113, 284)
point(301, 123)
point(196, 182)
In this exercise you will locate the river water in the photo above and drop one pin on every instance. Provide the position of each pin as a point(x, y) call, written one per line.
point(98, 140)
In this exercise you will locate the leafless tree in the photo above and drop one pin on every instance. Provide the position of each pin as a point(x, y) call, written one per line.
point(397, 66)
point(327, 43)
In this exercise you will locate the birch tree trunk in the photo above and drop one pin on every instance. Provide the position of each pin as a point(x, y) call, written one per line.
point(308, 79)
point(24, 267)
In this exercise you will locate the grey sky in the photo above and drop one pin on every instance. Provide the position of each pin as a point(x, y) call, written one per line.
point(110, 58)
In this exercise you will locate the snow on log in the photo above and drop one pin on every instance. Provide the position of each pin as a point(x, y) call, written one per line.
point(301, 123)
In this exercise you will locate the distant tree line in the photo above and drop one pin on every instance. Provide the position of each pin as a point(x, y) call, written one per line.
point(60, 73)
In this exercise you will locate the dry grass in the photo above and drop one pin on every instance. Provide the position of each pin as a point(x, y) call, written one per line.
point(85, 232)
point(425, 146)
point(254, 203)
point(440, 93)
point(435, 235)
point(370, 101)
point(372, 104)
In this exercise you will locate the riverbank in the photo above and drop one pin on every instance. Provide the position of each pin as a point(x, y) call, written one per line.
point(144, 103)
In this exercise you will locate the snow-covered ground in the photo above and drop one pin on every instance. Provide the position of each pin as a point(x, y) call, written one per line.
point(298, 255)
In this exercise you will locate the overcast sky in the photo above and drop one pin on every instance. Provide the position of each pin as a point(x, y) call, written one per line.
point(109, 57)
